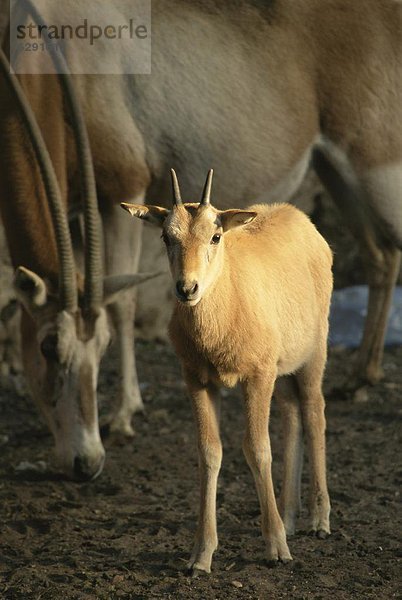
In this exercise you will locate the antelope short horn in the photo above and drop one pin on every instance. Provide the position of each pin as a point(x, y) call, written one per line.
point(206, 194)
point(177, 201)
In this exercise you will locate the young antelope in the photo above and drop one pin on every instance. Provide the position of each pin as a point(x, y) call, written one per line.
point(253, 291)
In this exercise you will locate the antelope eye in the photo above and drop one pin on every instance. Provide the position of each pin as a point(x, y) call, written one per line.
point(216, 238)
point(48, 347)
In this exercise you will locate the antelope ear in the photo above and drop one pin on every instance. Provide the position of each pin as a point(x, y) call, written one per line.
point(235, 218)
point(30, 289)
point(153, 214)
point(116, 284)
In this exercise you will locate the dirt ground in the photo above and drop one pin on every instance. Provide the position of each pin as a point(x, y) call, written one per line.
point(129, 533)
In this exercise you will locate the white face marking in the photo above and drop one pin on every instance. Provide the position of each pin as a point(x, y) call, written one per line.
point(65, 390)
point(194, 258)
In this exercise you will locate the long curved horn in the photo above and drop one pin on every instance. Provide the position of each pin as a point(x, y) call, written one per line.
point(93, 244)
point(93, 240)
point(67, 277)
point(206, 194)
point(177, 201)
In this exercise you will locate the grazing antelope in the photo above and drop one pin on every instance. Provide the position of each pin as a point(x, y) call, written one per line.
point(65, 330)
point(253, 289)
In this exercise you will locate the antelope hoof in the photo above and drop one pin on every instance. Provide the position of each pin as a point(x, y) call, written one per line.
point(195, 573)
point(278, 552)
point(197, 568)
point(200, 561)
point(374, 374)
point(121, 429)
point(138, 408)
point(280, 561)
point(368, 371)
point(117, 427)
point(320, 518)
point(320, 534)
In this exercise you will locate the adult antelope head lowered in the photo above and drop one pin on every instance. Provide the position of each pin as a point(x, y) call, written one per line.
point(194, 238)
point(65, 330)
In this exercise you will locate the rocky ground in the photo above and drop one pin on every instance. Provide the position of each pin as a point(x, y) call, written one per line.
point(128, 534)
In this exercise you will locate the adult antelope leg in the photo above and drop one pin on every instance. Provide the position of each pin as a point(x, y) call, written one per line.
point(287, 394)
point(257, 450)
point(363, 201)
point(381, 188)
point(122, 253)
point(206, 407)
point(313, 413)
point(382, 272)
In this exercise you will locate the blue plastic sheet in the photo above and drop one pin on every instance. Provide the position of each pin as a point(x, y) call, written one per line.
point(348, 313)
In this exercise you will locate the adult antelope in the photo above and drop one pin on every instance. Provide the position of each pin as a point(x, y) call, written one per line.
point(65, 330)
point(253, 289)
point(274, 85)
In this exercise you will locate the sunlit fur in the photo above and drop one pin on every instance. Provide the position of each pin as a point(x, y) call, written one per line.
point(251, 286)
point(260, 317)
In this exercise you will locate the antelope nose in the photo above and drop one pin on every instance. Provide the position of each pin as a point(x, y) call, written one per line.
point(186, 291)
point(85, 470)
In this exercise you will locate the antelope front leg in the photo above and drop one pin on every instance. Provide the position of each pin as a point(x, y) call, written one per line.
point(206, 413)
point(257, 450)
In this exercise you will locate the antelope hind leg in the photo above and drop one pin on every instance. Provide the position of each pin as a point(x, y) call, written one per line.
point(313, 414)
point(379, 237)
point(257, 450)
point(286, 393)
point(382, 273)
